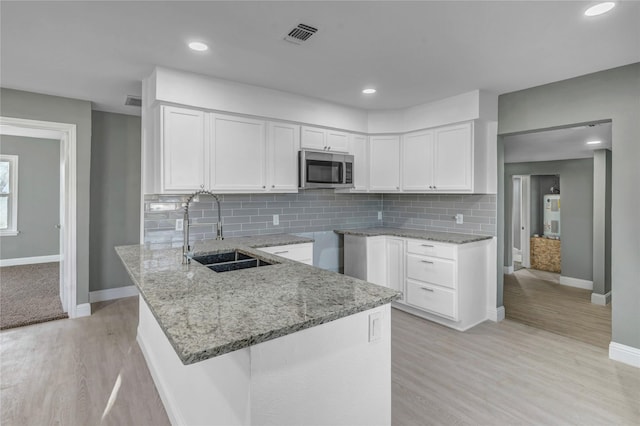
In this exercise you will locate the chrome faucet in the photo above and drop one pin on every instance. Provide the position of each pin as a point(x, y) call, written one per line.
point(186, 247)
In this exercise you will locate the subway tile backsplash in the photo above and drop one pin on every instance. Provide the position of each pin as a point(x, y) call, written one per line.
point(436, 212)
point(316, 211)
point(252, 214)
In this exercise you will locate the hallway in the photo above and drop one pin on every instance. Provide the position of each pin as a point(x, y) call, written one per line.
point(536, 298)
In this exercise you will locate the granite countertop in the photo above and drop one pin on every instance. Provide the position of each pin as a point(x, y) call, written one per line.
point(205, 314)
point(443, 237)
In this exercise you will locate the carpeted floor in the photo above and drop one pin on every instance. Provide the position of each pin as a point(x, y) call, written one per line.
point(30, 294)
point(536, 298)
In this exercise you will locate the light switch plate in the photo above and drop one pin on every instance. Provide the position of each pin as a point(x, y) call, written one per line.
point(375, 326)
point(276, 219)
point(179, 224)
point(379, 215)
point(459, 218)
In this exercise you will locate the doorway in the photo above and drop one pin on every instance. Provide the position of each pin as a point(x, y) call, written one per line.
point(559, 289)
point(66, 134)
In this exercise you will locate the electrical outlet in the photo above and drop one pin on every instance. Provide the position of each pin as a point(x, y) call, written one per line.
point(276, 219)
point(179, 224)
point(379, 215)
point(375, 326)
point(459, 219)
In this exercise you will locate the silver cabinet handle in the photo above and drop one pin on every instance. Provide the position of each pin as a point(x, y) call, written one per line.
point(329, 148)
point(427, 261)
point(58, 226)
point(427, 245)
point(426, 289)
point(273, 186)
point(263, 186)
point(281, 252)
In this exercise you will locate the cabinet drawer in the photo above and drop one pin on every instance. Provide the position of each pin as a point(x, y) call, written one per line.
point(431, 270)
point(432, 298)
point(299, 252)
point(430, 248)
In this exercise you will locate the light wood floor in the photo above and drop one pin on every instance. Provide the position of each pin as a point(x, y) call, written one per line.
point(536, 298)
point(66, 372)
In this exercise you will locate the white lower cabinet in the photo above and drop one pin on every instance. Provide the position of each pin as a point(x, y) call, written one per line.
point(302, 253)
point(445, 283)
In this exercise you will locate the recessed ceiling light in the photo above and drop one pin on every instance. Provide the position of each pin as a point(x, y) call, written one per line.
point(594, 142)
point(198, 46)
point(369, 91)
point(600, 8)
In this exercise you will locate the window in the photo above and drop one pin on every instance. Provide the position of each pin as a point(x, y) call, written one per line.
point(8, 195)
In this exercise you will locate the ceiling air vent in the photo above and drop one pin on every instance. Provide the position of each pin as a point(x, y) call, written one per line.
point(300, 34)
point(133, 101)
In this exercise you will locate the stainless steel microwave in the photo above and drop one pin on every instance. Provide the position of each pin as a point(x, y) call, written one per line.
point(321, 169)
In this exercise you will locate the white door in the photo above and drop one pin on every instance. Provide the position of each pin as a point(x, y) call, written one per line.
point(525, 220)
point(417, 161)
point(395, 264)
point(384, 157)
point(283, 144)
point(452, 161)
point(516, 219)
point(376, 263)
point(313, 138)
point(360, 151)
point(238, 150)
point(337, 141)
point(183, 149)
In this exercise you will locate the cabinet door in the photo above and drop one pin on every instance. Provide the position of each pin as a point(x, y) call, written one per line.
point(313, 138)
point(417, 161)
point(183, 149)
point(283, 143)
point(360, 151)
point(237, 154)
point(452, 162)
point(337, 141)
point(376, 264)
point(384, 157)
point(395, 264)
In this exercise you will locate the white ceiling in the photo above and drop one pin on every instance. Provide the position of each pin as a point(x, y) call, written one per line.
point(560, 144)
point(413, 52)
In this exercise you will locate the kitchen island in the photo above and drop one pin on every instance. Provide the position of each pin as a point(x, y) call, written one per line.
point(285, 343)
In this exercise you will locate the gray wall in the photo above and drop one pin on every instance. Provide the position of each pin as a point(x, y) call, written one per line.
point(33, 106)
point(38, 197)
point(602, 221)
point(115, 196)
point(608, 95)
point(576, 213)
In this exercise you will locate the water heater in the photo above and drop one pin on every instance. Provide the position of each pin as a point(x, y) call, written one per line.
point(551, 216)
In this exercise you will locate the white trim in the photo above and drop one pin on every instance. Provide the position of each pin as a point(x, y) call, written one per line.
point(507, 269)
point(12, 197)
point(601, 299)
point(576, 282)
point(112, 293)
point(496, 314)
point(68, 186)
point(82, 310)
point(29, 260)
point(623, 353)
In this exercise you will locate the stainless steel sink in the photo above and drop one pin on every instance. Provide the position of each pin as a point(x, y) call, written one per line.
point(230, 261)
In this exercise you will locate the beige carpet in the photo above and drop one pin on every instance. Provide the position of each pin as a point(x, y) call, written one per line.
point(30, 294)
point(536, 298)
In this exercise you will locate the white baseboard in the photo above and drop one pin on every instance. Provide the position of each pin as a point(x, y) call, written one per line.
point(576, 282)
point(495, 314)
point(507, 270)
point(601, 299)
point(112, 293)
point(30, 260)
point(623, 353)
point(83, 310)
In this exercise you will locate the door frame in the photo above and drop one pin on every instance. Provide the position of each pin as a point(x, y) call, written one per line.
point(66, 133)
point(525, 219)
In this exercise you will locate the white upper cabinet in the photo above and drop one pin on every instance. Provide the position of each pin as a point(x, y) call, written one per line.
point(453, 161)
point(324, 140)
point(237, 154)
point(182, 150)
point(283, 144)
point(384, 162)
point(360, 151)
point(417, 161)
